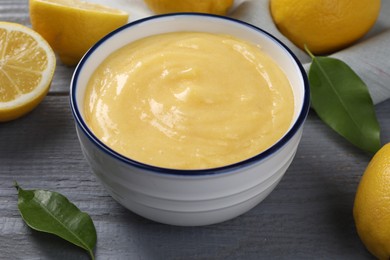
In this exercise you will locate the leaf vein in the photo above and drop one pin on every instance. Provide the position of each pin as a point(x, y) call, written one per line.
point(338, 96)
point(56, 219)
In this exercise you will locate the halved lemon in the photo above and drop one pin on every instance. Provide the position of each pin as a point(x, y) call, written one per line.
point(71, 27)
point(27, 65)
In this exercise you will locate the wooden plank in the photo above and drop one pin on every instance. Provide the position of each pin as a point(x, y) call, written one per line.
point(15, 11)
point(308, 215)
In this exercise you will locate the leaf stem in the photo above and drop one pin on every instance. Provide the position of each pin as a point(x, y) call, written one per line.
point(16, 185)
point(91, 254)
point(309, 52)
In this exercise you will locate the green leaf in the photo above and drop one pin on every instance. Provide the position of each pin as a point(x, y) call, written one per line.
point(341, 99)
point(51, 212)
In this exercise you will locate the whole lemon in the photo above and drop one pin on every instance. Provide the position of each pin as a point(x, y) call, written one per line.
point(220, 7)
point(324, 26)
point(372, 205)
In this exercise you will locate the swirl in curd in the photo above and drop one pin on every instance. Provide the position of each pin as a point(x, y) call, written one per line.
point(189, 100)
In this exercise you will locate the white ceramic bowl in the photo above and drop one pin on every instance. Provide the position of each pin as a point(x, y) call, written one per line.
point(189, 197)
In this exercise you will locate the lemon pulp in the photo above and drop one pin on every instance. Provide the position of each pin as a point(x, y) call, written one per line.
point(27, 65)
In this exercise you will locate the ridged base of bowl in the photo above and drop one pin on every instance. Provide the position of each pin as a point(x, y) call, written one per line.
point(190, 200)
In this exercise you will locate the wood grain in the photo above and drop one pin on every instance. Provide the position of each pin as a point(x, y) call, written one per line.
point(309, 215)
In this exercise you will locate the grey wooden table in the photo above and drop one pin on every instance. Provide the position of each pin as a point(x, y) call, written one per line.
point(308, 216)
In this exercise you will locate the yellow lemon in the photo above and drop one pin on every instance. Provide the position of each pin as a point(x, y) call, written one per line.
point(324, 26)
point(27, 65)
point(220, 7)
point(71, 26)
point(372, 205)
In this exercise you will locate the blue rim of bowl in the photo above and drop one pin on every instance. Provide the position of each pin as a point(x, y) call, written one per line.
point(196, 172)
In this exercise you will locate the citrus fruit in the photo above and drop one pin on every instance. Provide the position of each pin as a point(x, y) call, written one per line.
point(71, 26)
point(324, 26)
point(27, 65)
point(220, 7)
point(372, 205)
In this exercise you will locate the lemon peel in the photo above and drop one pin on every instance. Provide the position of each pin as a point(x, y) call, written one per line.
point(325, 26)
point(220, 7)
point(372, 205)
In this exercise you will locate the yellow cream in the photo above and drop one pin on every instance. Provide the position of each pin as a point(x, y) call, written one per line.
point(189, 100)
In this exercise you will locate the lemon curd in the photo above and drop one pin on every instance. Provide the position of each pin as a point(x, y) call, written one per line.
point(189, 100)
